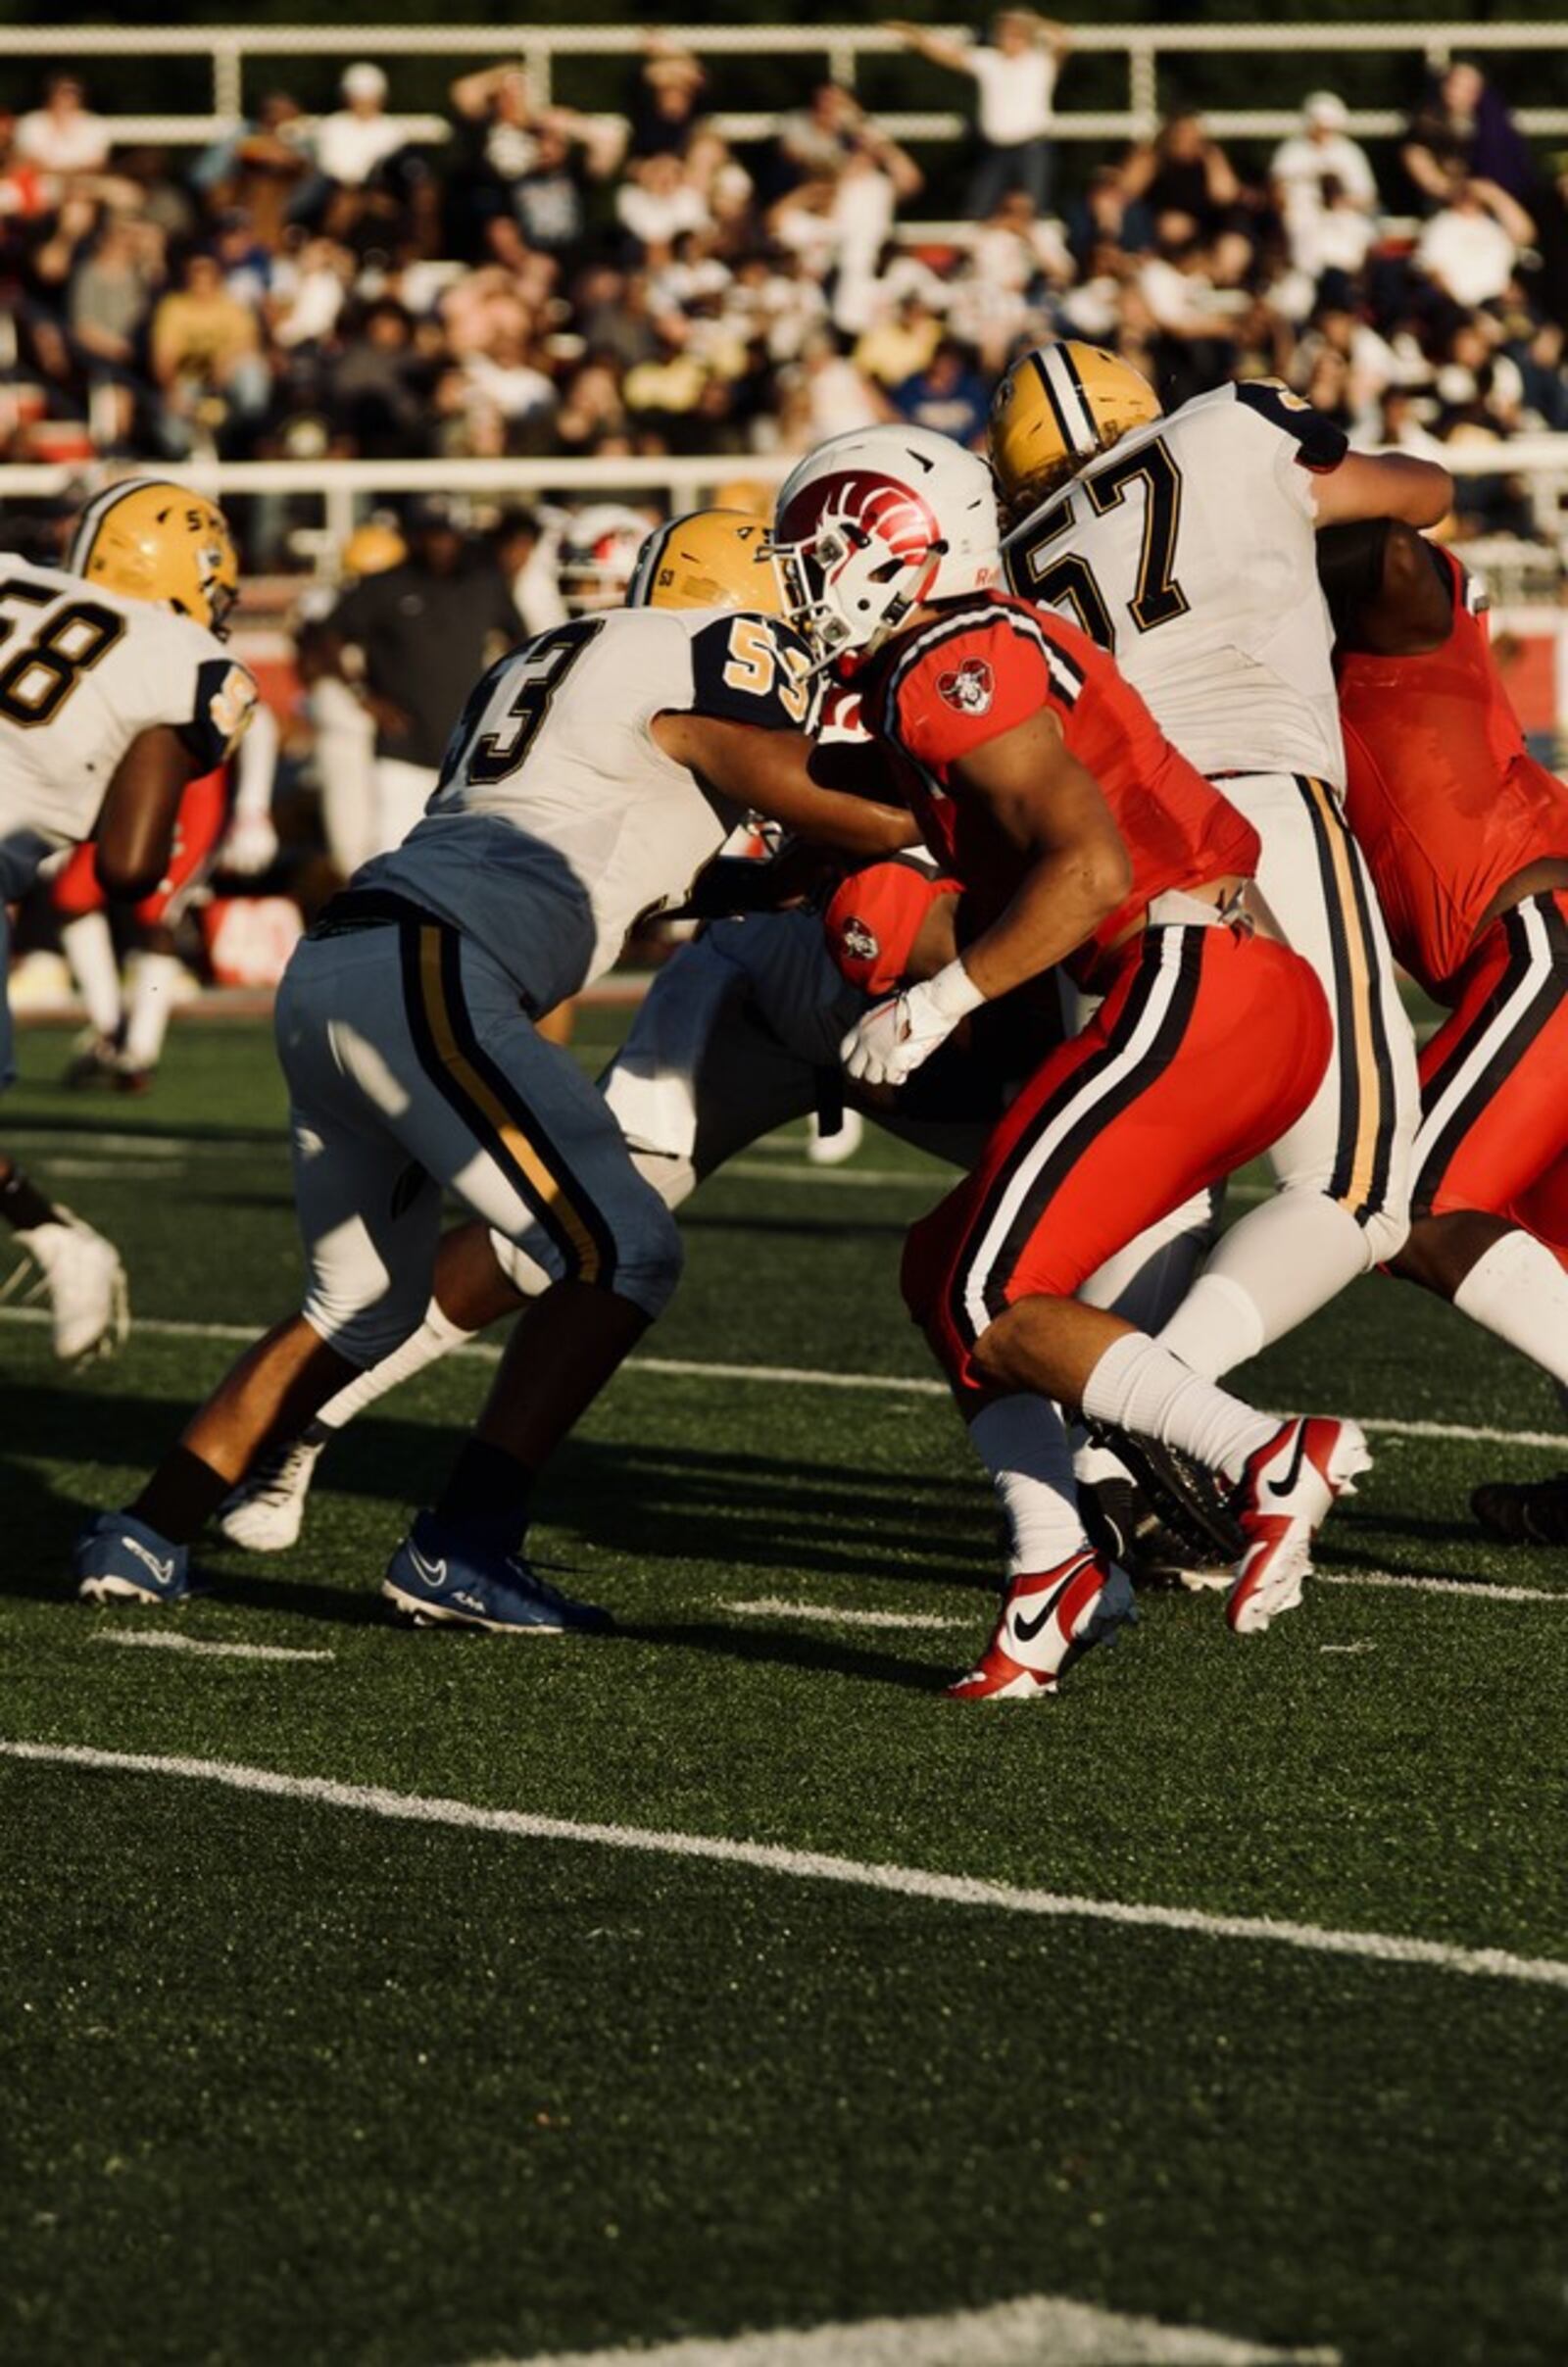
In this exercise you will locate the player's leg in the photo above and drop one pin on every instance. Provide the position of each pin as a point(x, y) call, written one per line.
point(1534, 1511)
point(1126, 1123)
point(402, 792)
point(87, 943)
point(64, 1261)
point(705, 1072)
point(369, 1218)
point(159, 973)
point(1343, 1169)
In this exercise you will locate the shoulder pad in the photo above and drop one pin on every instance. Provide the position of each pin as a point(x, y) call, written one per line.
point(1320, 445)
point(225, 701)
point(754, 670)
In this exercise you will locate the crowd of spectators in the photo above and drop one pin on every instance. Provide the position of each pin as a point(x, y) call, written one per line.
point(550, 283)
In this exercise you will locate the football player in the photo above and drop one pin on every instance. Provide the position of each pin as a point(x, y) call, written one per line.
point(1186, 547)
point(1041, 780)
point(592, 773)
point(115, 693)
point(1467, 839)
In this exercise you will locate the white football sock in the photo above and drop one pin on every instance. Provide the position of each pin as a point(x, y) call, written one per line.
point(152, 1000)
point(1518, 1289)
point(1023, 1443)
point(1140, 1386)
point(1277, 1266)
point(436, 1337)
point(89, 948)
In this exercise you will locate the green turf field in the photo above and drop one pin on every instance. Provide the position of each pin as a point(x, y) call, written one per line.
point(291, 2078)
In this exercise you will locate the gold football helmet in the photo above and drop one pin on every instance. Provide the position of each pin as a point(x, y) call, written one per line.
point(152, 539)
point(371, 548)
point(1056, 408)
point(709, 559)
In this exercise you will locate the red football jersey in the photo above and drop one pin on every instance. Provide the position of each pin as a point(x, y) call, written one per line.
point(1440, 791)
point(983, 666)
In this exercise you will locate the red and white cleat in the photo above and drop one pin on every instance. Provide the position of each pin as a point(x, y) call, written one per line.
point(1048, 1621)
point(1286, 1493)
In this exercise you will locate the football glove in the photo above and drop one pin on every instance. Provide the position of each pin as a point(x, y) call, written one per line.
point(895, 1038)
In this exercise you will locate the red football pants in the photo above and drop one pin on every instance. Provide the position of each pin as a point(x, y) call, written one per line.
point(1206, 1049)
point(198, 828)
point(1495, 1078)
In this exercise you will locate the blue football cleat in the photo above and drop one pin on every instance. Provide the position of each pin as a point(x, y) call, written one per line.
point(437, 1578)
point(118, 1559)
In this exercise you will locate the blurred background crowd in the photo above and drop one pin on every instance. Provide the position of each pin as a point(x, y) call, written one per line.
point(549, 282)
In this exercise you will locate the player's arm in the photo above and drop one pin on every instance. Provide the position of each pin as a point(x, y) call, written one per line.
point(1388, 589)
point(1073, 872)
point(770, 772)
point(1384, 484)
point(135, 831)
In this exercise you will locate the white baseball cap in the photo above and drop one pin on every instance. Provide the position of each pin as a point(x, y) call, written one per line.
point(1327, 108)
point(363, 82)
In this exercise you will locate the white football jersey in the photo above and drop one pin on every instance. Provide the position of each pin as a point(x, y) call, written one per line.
point(559, 821)
point(1188, 551)
point(82, 671)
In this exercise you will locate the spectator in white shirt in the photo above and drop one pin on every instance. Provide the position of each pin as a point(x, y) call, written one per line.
point(1016, 72)
point(61, 137)
point(351, 143)
point(1470, 250)
point(1321, 170)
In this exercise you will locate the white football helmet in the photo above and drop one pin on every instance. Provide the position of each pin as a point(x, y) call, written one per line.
point(598, 560)
point(874, 522)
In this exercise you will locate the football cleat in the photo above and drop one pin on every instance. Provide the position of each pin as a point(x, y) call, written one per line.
point(80, 1275)
point(1186, 1499)
point(1524, 1513)
point(1123, 1527)
point(438, 1579)
point(1285, 1494)
point(266, 1512)
point(1048, 1620)
point(121, 1560)
point(95, 1062)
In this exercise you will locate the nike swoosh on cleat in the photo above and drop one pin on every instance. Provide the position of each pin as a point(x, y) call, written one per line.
point(1286, 1487)
point(435, 1573)
point(1026, 1630)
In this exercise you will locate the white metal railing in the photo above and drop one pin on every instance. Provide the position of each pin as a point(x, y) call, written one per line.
point(838, 48)
point(343, 487)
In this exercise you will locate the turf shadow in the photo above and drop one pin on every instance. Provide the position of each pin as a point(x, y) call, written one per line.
point(778, 1648)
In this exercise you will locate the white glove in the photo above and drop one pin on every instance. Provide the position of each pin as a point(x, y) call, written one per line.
point(893, 1039)
point(250, 846)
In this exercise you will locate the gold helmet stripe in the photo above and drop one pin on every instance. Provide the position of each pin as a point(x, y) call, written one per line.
point(97, 510)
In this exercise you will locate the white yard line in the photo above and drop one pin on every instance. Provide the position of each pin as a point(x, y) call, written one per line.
point(1398, 1582)
point(1040, 2332)
point(829, 1614)
point(806, 1376)
point(758, 1170)
point(160, 1639)
point(813, 1865)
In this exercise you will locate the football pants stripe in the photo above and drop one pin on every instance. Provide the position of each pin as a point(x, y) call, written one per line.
point(1367, 1102)
point(490, 1104)
point(1143, 1041)
point(1527, 996)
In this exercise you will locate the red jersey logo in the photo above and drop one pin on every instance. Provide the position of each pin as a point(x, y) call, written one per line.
point(970, 687)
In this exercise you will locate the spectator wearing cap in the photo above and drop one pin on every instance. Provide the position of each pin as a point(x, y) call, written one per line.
point(1016, 72)
point(1322, 171)
point(358, 138)
point(416, 638)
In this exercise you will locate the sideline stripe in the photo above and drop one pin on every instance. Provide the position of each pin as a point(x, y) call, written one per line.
point(158, 1639)
point(814, 1866)
point(1015, 2334)
point(803, 1376)
point(776, 1606)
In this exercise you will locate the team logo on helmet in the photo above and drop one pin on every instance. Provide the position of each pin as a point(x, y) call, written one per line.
point(867, 503)
point(858, 941)
point(970, 687)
